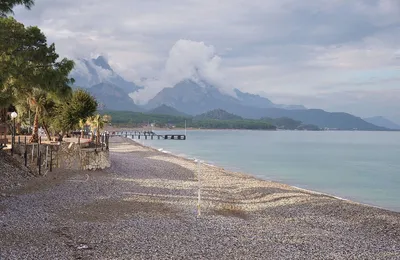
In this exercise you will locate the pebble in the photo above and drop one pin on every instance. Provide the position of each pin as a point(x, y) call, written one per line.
point(145, 207)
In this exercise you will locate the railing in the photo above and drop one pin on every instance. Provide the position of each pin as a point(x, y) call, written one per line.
point(43, 157)
point(3, 135)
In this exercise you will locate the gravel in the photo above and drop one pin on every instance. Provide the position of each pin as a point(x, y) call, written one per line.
point(12, 172)
point(145, 207)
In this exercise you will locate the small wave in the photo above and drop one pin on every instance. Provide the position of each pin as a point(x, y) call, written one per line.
point(321, 193)
point(210, 164)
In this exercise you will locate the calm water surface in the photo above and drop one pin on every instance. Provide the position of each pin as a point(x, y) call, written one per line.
point(360, 166)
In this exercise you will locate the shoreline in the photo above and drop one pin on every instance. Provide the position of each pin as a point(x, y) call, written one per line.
point(136, 141)
point(146, 206)
point(118, 128)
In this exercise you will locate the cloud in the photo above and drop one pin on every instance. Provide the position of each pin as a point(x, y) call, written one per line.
point(190, 59)
point(278, 46)
point(186, 60)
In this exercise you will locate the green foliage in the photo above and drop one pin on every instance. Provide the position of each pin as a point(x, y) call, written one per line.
point(139, 119)
point(218, 114)
point(283, 122)
point(6, 6)
point(81, 106)
point(27, 62)
point(290, 124)
point(134, 119)
point(167, 110)
point(230, 124)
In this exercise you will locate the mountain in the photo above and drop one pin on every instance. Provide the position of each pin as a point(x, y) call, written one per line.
point(88, 73)
point(217, 114)
point(253, 100)
point(323, 119)
point(290, 124)
point(196, 98)
point(166, 110)
point(248, 99)
point(192, 98)
point(206, 97)
point(112, 97)
point(383, 122)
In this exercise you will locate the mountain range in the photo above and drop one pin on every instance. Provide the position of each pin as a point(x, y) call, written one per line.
point(88, 73)
point(194, 97)
point(383, 122)
point(166, 110)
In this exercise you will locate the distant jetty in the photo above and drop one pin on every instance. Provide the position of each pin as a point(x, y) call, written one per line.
point(149, 135)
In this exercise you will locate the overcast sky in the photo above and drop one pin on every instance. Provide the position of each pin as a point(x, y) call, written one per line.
point(339, 55)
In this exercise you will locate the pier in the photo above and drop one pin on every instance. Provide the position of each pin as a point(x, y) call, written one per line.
point(148, 135)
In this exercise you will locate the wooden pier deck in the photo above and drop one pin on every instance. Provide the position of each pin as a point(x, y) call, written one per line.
point(149, 135)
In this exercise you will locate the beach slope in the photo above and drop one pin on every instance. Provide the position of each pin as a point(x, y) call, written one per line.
point(146, 207)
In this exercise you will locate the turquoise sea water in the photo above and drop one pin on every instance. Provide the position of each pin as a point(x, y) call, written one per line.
point(360, 166)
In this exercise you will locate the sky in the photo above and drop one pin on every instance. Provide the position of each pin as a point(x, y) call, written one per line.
point(338, 55)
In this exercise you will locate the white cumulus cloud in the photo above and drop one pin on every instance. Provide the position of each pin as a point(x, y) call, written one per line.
point(187, 59)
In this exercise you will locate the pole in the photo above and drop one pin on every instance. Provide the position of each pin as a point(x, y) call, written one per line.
point(25, 153)
point(39, 161)
point(47, 155)
point(51, 159)
point(29, 118)
point(25, 157)
point(13, 139)
point(38, 146)
point(185, 127)
point(107, 141)
point(33, 151)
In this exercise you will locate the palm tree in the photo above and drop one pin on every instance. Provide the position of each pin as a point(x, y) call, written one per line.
point(99, 122)
point(82, 124)
point(37, 99)
point(96, 124)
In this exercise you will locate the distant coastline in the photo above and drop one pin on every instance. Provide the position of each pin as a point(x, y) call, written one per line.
point(117, 128)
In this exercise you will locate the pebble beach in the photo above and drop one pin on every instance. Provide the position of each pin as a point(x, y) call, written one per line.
point(146, 206)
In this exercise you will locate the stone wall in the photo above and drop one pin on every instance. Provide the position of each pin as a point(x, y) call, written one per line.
point(93, 160)
point(68, 155)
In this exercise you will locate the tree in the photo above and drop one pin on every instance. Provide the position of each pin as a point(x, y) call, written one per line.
point(6, 6)
point(27, 63)
point(99, 124)
point(81, 106)
point(96, 124)
point(82, 124)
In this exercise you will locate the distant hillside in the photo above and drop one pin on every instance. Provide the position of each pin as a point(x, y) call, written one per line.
point(112, 97)
point(253, 100)
point(199, 97)
point(166, 110)
point(130, 118)
point(383, 122)
point(217, 114)
point(290, 124)
point(134, 119)
point(323, 119)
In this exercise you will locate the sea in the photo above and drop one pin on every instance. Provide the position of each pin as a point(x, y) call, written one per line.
point(354, 165)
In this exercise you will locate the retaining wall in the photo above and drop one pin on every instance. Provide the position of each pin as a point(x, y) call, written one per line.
point(67, 155)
